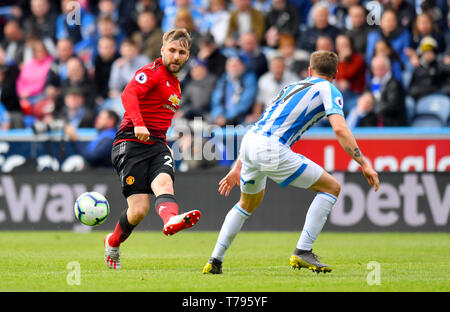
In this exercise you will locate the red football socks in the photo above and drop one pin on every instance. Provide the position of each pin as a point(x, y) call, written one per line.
point(166, 206)
point(121, 232)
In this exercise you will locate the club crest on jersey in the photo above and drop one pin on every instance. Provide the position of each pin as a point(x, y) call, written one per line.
point(141, 78)
point(130, 180)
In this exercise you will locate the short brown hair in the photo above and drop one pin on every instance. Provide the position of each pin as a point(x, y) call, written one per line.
point(286, 39)
point(180, 34)
point(324, 63)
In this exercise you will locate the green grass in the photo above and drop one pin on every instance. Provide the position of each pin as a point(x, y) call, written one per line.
point(257, 261)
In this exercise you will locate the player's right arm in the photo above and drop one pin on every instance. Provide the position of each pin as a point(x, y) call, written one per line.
point(348, 143)
point(136, 88)
point(231, 179)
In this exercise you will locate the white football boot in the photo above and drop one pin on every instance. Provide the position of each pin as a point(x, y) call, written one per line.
point(112, 254)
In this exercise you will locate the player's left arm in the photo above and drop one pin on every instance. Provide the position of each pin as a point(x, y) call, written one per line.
point(334, 103)
point(349, 144)
point(231, 179)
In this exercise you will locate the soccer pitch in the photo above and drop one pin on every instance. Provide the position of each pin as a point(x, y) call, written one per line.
point(256, 262)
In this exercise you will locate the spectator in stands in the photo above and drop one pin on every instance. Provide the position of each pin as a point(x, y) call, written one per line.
point(58, 68)
point(324, 43)
point(209, 53)
point(41, 22)
point(14, 43)
point(303, 8)
point(264, 6)
point(149, 36)
point(9, 74)
point(234, 94)
point(437, 9)
point(282, 18)
point(244, 19)
point(216, 20)
point(424, 27)
point(251, 54)
point(340, 17)
point(269, 84)
point(296, 60)
point(321, 27)
point(11, 9)
point(382, 47)
point(389, 94)
point(360, 28)
point(350, 78)
point(108, 8)
point(5, 120)
point(78, 77)
point(363, 115)
point(107, 54)
point(106, 27)
point(426, 78)
point(147, 5)
point(185, 19)
point(75, 111)
point(124, 68)
point(404, 10)
point(444, 66)
point(81, 33)
point(398, 37)
point(171, 10)
point(31, 81)
point(196, 100)
point(97, 153)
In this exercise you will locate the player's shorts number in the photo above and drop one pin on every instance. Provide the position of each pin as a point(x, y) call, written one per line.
point(169, 161)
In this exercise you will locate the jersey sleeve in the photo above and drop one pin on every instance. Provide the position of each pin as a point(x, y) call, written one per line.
point(142, 82)
point(332, 99)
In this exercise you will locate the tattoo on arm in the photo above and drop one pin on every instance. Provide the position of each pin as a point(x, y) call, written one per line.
point(357, 152)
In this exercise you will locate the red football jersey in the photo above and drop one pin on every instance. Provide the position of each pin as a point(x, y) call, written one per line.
point(150, 100)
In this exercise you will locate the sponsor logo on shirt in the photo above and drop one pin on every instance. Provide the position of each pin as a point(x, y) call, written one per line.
point(174, 103)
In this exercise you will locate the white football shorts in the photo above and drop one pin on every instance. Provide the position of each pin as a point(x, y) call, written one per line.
point(264, 157)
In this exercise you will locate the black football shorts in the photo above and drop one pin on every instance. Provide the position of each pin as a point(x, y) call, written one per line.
point(138, 164)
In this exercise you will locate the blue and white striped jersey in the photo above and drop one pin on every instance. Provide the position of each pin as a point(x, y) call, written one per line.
point(297, 107)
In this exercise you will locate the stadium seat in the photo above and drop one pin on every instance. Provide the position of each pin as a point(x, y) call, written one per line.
point(427, 121)
point(433, 104)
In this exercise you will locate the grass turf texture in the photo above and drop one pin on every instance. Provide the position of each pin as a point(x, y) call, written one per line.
point(257, 261)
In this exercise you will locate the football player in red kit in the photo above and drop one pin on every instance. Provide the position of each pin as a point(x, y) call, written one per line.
point(140, 153)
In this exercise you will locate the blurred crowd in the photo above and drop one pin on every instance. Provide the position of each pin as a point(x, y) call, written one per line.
point(64, 62)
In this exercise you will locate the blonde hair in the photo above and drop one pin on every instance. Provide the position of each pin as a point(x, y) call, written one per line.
point(324, 63)
point(180, 34)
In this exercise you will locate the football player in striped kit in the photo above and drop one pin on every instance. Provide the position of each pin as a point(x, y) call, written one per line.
point(266, 152)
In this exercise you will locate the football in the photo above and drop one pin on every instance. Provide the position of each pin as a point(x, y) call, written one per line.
point(91, 208)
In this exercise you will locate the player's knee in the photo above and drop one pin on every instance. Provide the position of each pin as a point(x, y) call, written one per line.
point(163, 185)
point(335, 188)
point(166, 188)
point(250, 202)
